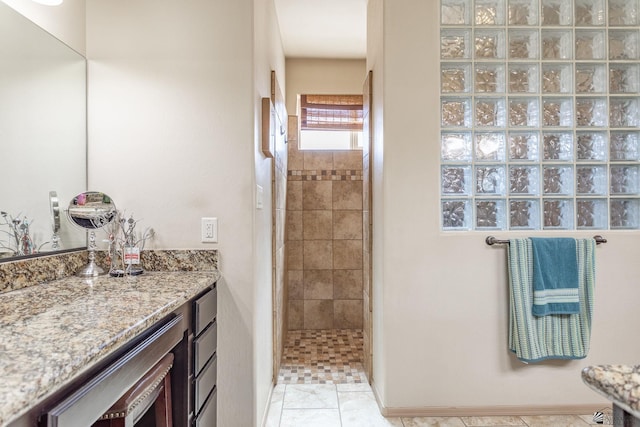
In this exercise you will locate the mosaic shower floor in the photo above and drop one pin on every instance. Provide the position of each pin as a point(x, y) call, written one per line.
point(331, 356)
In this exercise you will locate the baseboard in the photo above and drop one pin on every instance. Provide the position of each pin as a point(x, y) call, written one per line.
point(265, 413)
point(487, 411)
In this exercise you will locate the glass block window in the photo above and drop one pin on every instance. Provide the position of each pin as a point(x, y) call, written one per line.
point(539, 114)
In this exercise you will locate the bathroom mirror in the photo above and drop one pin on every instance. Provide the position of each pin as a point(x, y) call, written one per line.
point(42, 130)
point(91, 210)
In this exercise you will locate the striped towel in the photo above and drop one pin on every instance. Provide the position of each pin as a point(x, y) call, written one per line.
point(558, 336)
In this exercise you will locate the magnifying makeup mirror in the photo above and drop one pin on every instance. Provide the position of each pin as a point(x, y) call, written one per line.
point(91, 210)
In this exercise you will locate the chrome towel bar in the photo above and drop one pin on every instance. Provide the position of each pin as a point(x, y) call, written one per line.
point(490, 240)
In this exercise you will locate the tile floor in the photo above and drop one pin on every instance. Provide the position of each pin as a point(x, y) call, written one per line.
point(325, 356)
point(321, 384)
point(353, 405)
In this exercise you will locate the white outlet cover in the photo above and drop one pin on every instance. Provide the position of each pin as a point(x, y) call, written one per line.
point(209, 230)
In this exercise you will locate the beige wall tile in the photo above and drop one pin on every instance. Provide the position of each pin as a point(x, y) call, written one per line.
point(351, 159)
point(318, 314)
point(294, 195)
point(292, 127)
point(366, 229)
point(318, 160)
point(318, 255)
point(347, 224)
point(295, 161)
point(366, 190)
point(317, 225)
point(347, 195)
point(279, 229)
point(366, 353)
point(318, 284)
point(347, 314)
point(296, 284)
point(347, 284)
point(296, 314)
point(366, 314)
point(294, 255)
point(366, 259)
point(316, 195)
point(347, 254)
point(294, 225)
point(281, 190)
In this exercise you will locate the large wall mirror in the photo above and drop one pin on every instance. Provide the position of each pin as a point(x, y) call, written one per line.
point(42, 133)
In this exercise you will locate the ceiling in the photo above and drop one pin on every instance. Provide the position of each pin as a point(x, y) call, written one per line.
point(323, 28)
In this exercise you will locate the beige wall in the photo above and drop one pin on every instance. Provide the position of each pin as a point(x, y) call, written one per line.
point(322, 76)
point(174, 103)
point(440, 299)
point(66, 21)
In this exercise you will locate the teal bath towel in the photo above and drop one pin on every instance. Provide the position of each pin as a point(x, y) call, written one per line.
point(555, 276)
point(557, 336)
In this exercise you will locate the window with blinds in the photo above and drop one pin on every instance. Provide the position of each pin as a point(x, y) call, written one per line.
point(330, 122)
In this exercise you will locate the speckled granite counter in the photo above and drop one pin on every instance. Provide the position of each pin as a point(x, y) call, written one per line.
point(51, 333)
point(618, 383)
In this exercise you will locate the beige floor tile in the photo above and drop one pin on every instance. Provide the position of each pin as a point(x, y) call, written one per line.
point(354, 387)
point(310, 396)
point(359, 409)
point(275, 407)
point(554, 421)
point(492, 421)
point(433, 422)
point(310, 418)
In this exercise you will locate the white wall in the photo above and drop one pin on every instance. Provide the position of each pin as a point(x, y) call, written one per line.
point(440, 299)
point(174, 96)
point(323, 77)
point(66, 21)
point(375, 63)
point(268, 55)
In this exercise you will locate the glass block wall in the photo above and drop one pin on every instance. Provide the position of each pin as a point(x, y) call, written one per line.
point(539, 114)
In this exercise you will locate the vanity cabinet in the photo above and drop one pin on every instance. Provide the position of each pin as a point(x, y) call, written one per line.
point(189, 332)
point(204, 367)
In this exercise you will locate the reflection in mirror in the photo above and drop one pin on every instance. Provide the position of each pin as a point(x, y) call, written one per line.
point(54, 209)
point(91, 210)
point(43, 131)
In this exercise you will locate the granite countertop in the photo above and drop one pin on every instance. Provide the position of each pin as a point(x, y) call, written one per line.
point(52, 332)
point(618, 383)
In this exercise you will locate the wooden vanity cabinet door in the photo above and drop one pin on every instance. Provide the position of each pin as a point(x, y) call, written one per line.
point(204, 347)
point(205, 311)
point(207, 417)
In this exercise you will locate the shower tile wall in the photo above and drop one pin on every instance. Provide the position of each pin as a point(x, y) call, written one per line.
point(324, 239)
point(367, 359)
point(279, 192)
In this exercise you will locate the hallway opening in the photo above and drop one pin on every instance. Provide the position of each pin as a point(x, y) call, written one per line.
point(324, 235)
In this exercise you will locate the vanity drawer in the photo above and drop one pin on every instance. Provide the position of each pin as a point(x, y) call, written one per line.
point(205, 310)
point(204, 383)
point(204, 346)
point(207, 417)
